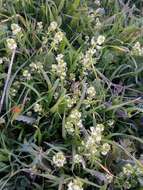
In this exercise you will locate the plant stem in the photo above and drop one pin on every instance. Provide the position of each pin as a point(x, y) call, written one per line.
point(7, 80)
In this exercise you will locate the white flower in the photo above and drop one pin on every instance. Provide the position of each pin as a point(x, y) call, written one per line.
point(72, 76)
point(58, 37)
point(97, 2)
point(95, 131)
point(79, 124)
point(95, 135)
point(60, 68)
point(90, 52)
point(56, 95)
point(11, 44)
point(138, 170)
point(59, 159)
point(105, 149)
point(16, 84)
point(13, 92)
point(59, 57)
point(40, 25)
point(38, 108)
point(87, 58)
point(70, 101)
point(94, 138)
point(53, 26)
point(91, 92)
point(100, 40)
point(99, 128)
point(75, 115)
point(26, 74)
point(69, 127)
point(137, 45)
point(77, 159)
point(90, 145)
point(44, 40)
point(15, 28)
point(54, 68)
point(36, 66)
point(90, 142)
point(137, 49)
point(76, 184)
point(93, 41)
point(128, 169)
point(74, 121)
point(33, 66)
point(98, 138)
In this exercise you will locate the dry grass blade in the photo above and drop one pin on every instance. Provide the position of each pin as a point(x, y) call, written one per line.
point(7, 80)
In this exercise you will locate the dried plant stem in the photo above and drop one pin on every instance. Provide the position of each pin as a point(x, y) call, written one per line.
point(7, 80)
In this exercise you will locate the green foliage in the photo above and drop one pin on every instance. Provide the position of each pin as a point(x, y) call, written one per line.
point(71, 104)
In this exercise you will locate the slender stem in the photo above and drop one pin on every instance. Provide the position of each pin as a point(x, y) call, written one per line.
point(7, 80)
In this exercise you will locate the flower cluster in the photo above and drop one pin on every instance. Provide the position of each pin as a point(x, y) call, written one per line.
point(91, 93)
point(76, 184)
point(16, 29)
point(14, 88)
point(93, 145)
point(77, 159)
point(105, 149)
point(130, 175)
point(87, 59)
point(130, 170)
point(70, 101)
point(100, 40)
point(59, 159)
point(97, 2)
point(38, 108)
point(36, 66)
point(70, 82)
point(74, 96)
point(54, 36)
point(53, 26)
point(96, 132)
point(39, 26)
point(13, 92)
point(74, 122)
point(137, 49)
point(58, 37)
point(27, 74)
point(61, 67)
point(11, 44)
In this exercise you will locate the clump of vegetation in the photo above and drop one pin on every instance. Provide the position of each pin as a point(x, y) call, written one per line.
point(71, 95)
